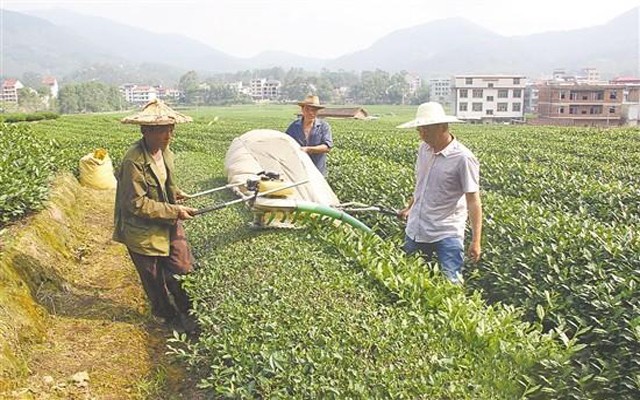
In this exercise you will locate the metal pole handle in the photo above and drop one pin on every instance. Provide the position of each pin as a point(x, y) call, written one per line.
point(268, 192)
point(229, 186)
point(217, 206)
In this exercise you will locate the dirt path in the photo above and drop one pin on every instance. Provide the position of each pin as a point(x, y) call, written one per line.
point(101, 342)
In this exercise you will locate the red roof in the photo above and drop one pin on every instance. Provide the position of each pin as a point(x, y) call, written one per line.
point(49, 80)
point(9, 82)
point(626, 79)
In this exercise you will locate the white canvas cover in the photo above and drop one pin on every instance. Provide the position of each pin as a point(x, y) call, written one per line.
point(270, 150)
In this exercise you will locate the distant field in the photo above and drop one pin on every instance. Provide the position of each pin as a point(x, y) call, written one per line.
point(317, 313)
point(282, 115)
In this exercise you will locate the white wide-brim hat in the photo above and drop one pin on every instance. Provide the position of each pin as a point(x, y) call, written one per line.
point(430, 113)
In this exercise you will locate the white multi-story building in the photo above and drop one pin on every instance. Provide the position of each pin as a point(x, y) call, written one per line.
point(138, 94)
point(167, 94)
point(51, 83)
point(586, 75)
point(10, 89)
point(265, 89)
point(440, 91)
point(489, 98)
point(589, 75)
point(414, 82)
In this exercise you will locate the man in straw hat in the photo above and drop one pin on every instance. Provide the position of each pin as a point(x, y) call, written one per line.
point(447, 189)
point(148, 218)
point(312, 134)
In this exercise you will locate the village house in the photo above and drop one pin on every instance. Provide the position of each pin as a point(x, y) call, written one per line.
point(52, 84)
point(167, 94)
point(265, 89)
point(10, 89)
point(414, 83)
point(138, 94)
point(345, 112)
point(489, 98)
point(581, 104)
point(440, 90)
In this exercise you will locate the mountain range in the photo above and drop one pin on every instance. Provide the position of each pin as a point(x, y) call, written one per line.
point(61, 42)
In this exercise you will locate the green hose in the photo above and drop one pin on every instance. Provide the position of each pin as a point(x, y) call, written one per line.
point(316, 208)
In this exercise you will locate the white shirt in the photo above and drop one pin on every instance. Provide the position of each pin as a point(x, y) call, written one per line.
point(162, 168)
point(439, 207)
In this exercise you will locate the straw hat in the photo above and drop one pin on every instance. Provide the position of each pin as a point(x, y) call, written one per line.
point(156, 113)
point(430, 113)
point(312, 101)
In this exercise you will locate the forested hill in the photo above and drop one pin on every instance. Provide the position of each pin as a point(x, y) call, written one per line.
point(62, 42)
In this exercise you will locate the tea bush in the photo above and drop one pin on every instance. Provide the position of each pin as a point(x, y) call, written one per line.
point(27, 164)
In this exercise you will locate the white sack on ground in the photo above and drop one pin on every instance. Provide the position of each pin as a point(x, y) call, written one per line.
point(273, 151)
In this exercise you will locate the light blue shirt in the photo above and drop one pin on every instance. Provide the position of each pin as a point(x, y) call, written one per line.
point(320, 134)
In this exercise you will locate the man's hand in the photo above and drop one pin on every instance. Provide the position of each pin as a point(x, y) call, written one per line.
point(403, 214)
point(474, 251)
point(305, 149)
point(186, 212)
point(182, 196)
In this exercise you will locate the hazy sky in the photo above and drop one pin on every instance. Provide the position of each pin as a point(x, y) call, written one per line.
point(329, 28)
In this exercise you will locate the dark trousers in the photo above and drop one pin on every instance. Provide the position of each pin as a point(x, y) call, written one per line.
point(158, 280)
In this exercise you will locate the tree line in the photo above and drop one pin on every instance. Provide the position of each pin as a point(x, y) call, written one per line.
point(333, 87)
point(368, 87)
point(73, 98)
point(90, 97)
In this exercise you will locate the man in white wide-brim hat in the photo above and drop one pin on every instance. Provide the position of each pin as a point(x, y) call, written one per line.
point(312, 134)
point(148, 218)
point(447, 191)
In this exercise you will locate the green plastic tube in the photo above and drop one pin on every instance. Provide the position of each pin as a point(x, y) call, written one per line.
point(315, 208)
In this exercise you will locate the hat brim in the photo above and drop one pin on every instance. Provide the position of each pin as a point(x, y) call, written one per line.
point(425, 122)
point(301, 104)
point(156, 113)
point(152, 120)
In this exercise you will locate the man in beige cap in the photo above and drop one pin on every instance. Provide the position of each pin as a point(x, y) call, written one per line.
point(447, 189)
point(312, 134)
point(148, 220)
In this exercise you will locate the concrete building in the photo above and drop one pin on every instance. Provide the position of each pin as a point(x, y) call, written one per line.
point(580, 104)
point(586, 75)
point(51, 83)
point(265, 89)
point(440, 91)
point(138, 94)
point(167, 94)
point(589, 75)
point(414, 82)
point(10, 89)
point(489, 98)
